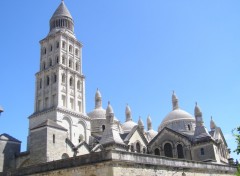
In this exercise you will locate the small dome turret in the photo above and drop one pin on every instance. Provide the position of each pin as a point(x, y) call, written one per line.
point(174, 101)
point(212, 124)
point(140, 122)
point(128, 113)
point(197, 111)
point(109, 110)
point(98, 100)
point(149, 122)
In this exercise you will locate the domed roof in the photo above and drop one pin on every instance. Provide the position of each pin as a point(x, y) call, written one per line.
point(177, 114)
point(62, 11)
point(99, 113)
point(151, 134)
point(127, 126)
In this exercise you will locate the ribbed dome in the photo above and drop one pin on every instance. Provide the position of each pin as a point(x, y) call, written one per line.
point(177, 114)
point(127, 126)
point(98, 114)
point(178, 120)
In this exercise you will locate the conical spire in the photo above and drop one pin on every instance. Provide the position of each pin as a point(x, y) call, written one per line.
point(128, 113)
point(174, 101)
point(62, 11)
point(149, 122)
point(110, 115)
point(200, 130)
point(98, 100)
point(197, 111)
point(62, 19)
point(212, 124)
point(140, 124)
point(109, 110)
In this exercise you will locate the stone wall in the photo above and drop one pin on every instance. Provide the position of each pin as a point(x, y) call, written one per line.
point(116, 163)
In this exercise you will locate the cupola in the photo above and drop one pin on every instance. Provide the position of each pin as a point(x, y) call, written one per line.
point(62, 19)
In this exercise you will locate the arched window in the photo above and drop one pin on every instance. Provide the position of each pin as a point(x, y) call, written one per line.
point(70, 63)
point(103, 127)
point(138, 149)
point(77, 67)
point(78, 85)
point(48, 81)
point(50, 62)
point(132, 148)
point(40, 83)
point(63, 78)
point(157, 151)
point(168, 150)
point(70, 48)
point(189, 127)
point(57, 44)
point(63, 44)
point(63, 60)
point(44, 65)
point(71, 81)
point(202, 151)
point(55, 78)
point(57, 60)
point(180, 151)
point(50, 47)
point(76, 52)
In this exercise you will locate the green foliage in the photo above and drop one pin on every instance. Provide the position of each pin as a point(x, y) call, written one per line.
point(237, 137)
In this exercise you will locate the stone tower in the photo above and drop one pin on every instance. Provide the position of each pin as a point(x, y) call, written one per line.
point(60, 85)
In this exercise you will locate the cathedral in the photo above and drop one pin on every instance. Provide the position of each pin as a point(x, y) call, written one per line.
point(64, 139)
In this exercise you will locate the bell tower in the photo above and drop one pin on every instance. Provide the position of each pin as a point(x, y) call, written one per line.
point(60, 83)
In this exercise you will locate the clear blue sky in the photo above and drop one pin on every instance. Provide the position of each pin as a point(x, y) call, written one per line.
point(135, 52)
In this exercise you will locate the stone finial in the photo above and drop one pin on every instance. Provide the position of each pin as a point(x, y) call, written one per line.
point(109, 114)
point(174, 101)
point(109, 110)
point(140, 122)
point(197, 111)
point(128, 113)
point(98, 99)
point(149, 122)
point(212, 124)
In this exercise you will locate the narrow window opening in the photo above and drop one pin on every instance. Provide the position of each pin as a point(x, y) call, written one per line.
point(157, 151)
point(168, 150)
point(189, 127)
point(54, 138)
point(103, 127)
point(202, 151)
point(63, 60)
point(63, 78)
point(71, 81)
point(180, 151)
point(138, 148)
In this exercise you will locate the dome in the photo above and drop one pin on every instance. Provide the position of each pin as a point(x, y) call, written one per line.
point(109, 109)
point(177, 114)
point(176, 120)
point(151, 134)
point(127, 126)
point(99, 113)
